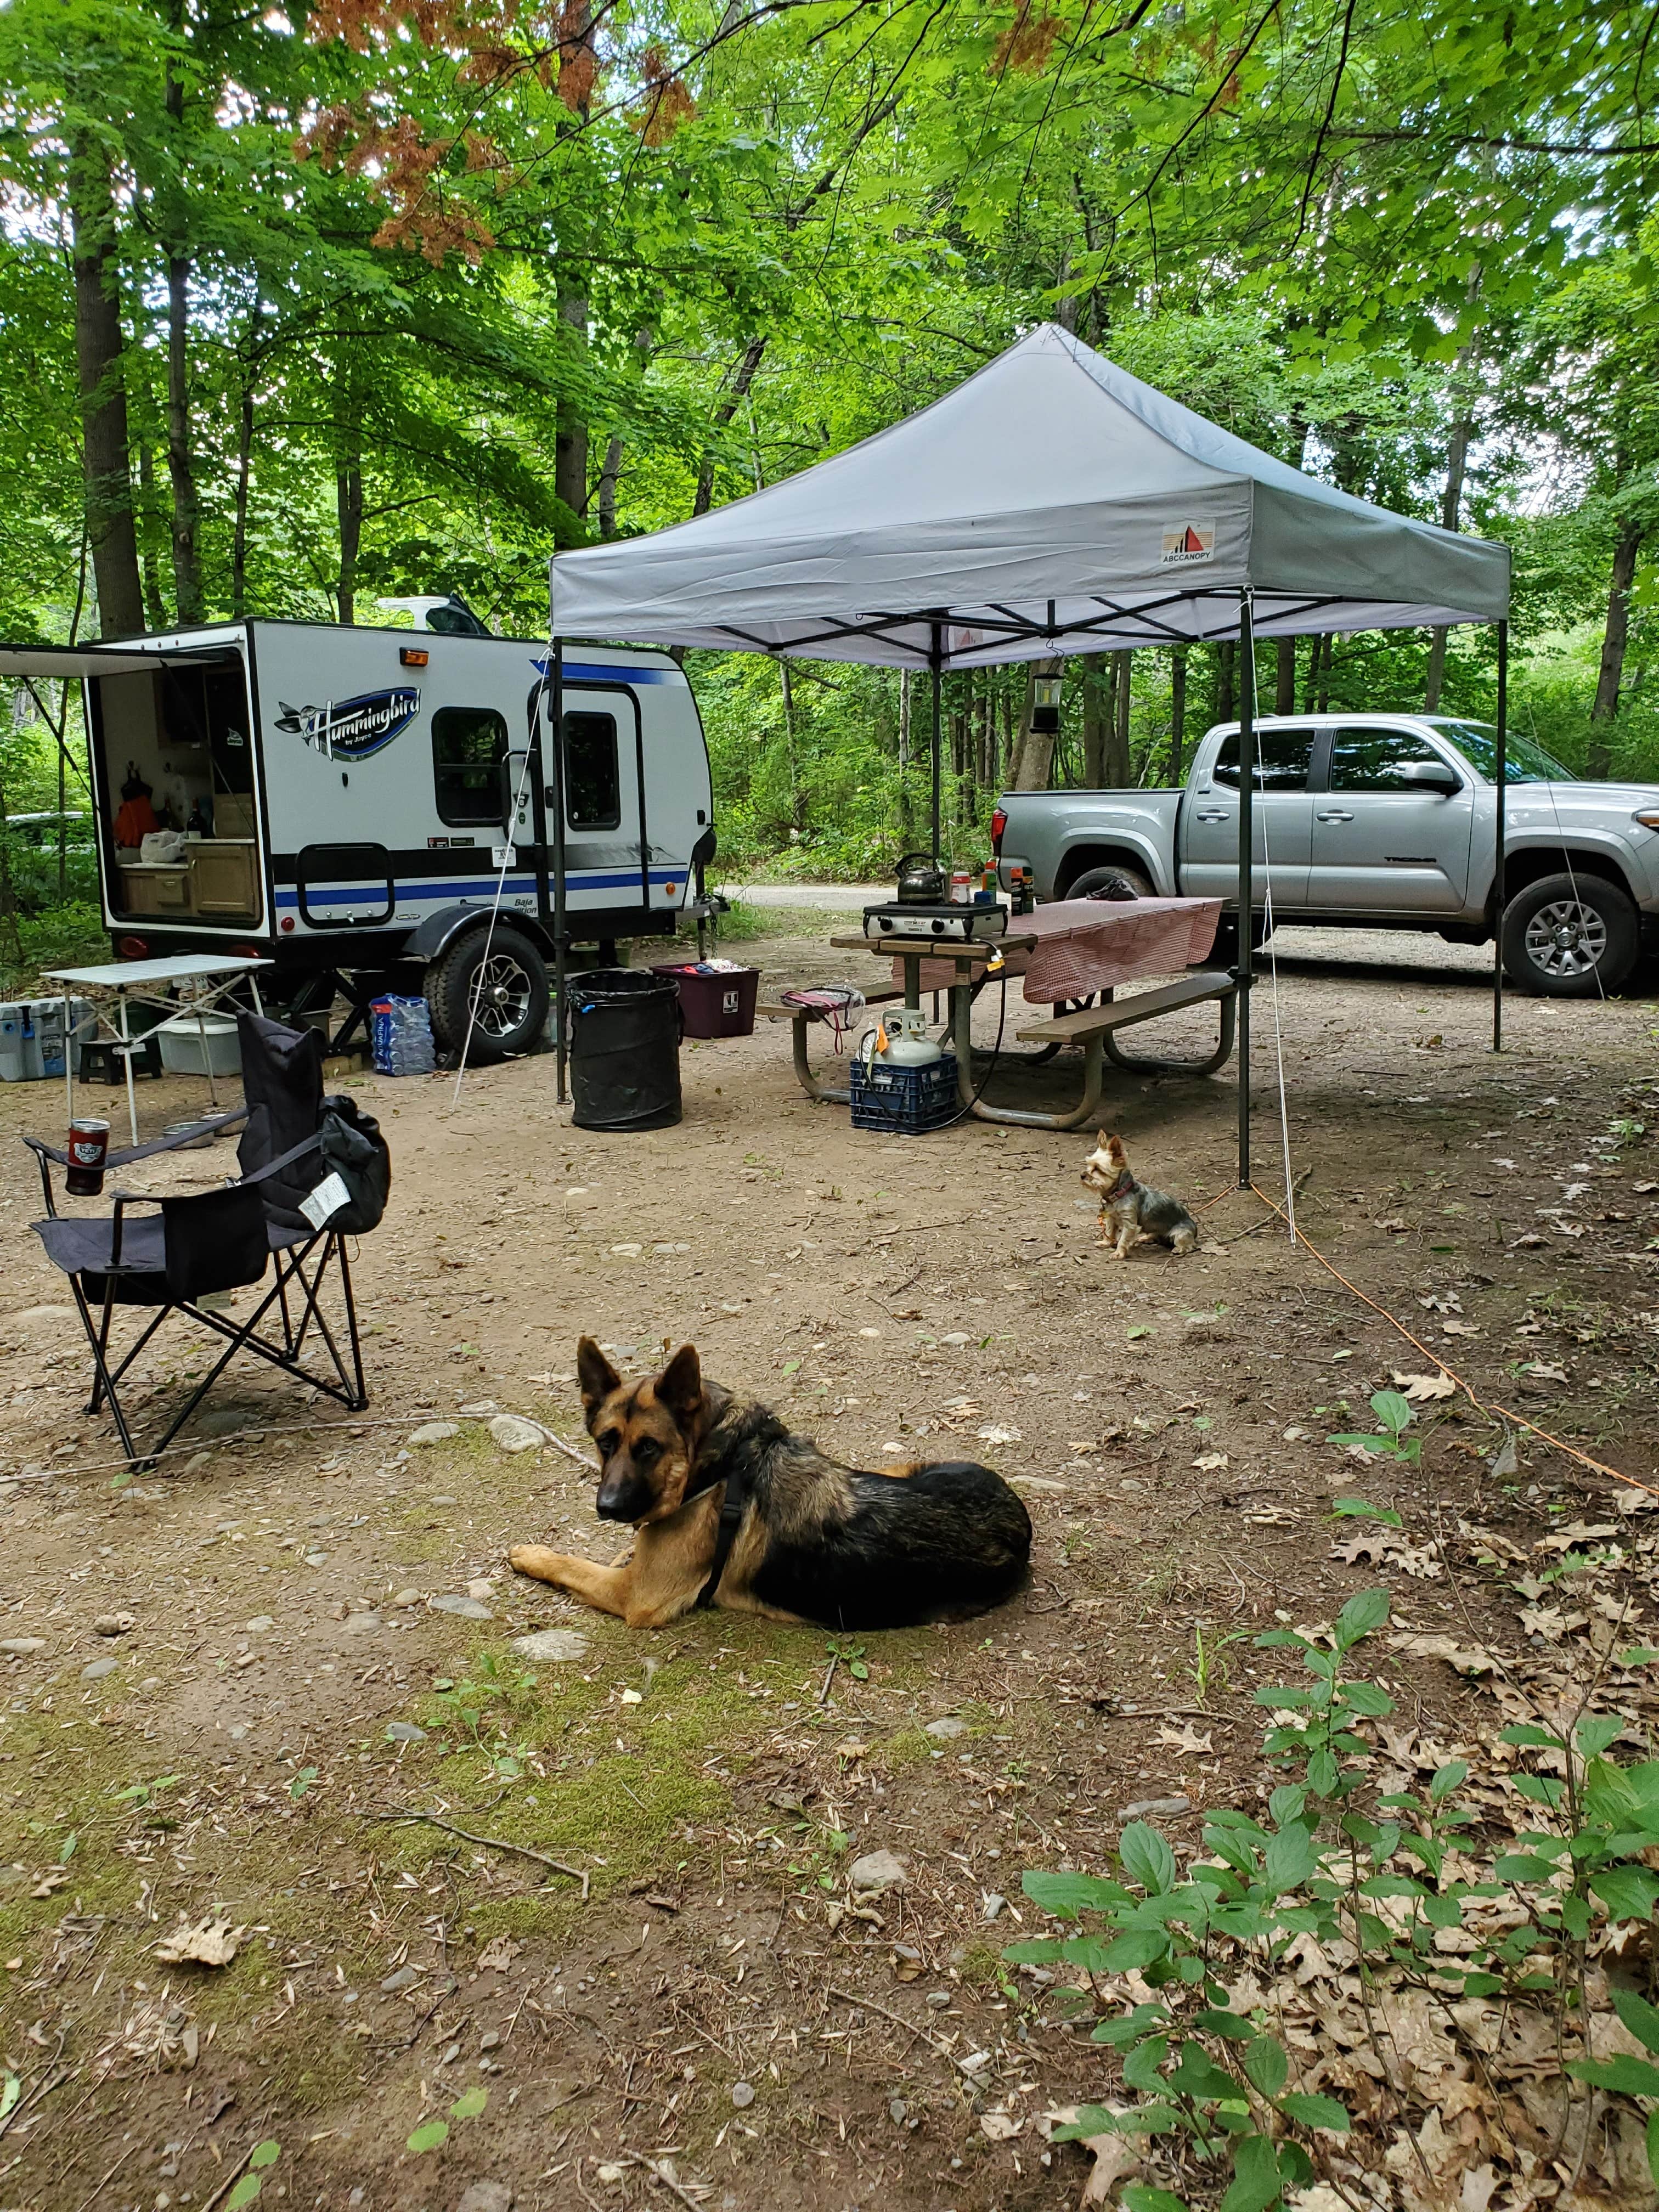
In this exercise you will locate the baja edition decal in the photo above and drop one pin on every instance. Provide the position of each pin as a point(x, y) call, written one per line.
point(352, 729)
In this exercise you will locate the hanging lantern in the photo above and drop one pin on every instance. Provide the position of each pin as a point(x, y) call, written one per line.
point(1045, 707)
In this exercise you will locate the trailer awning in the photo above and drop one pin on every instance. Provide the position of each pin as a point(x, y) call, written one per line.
point(67, 663)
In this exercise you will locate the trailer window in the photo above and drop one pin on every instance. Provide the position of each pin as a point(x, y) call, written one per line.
point(469, 744)
point(594, 784)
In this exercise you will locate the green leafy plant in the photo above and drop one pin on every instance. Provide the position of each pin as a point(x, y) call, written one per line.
point(850, 1655)
point(1209, 1668)
point(1388, 1878)
point(1394, 1416)
point(248, 2185)
point(433, 2135)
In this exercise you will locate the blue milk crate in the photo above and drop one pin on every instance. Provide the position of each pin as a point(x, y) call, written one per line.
point(904, 1101)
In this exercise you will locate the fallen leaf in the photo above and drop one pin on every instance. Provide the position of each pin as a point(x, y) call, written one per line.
point(498, 1955)
point(1393, 1223)
point(1544, 1371)
point(1461, 1329)
point(1000, 2127)
point(1420, 1388)
point(1419, 1646)
point(1207, 1463)
point(1185, 1739)
point(211, 1941)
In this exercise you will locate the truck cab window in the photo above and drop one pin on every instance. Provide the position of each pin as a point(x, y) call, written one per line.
point(1281, 763)
point(469, 744)
point(593, 782)
point(1370, 760)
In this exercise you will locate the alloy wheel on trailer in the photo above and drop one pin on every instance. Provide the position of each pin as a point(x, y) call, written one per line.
point(1566, 938)
point(491, 989)
point(499, 998)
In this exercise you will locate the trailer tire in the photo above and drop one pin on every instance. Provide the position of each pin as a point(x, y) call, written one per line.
point(1570, 936)
point(508, 975)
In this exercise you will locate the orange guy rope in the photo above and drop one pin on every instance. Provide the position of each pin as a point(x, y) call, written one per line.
point(1520, 1420)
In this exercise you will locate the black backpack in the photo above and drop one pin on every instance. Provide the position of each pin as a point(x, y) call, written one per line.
point(353, 1149)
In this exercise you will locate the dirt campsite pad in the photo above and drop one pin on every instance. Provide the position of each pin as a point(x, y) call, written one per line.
point(336, 1860)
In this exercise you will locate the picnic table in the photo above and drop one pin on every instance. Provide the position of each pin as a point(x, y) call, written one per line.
point(1069, 951)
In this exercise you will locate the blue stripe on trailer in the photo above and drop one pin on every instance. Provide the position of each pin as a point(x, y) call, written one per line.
point(472, 887)
point(593, 671)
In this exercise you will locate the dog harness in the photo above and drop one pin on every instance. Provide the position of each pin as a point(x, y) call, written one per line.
point(1122, 1187)
point(734, 1475)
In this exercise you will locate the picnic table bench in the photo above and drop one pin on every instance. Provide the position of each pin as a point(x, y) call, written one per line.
point(802, 1017)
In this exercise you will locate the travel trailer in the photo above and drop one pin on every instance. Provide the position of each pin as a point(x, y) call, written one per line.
point(344, 800)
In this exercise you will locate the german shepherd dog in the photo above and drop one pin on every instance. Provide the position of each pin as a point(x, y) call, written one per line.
point(729, 1510)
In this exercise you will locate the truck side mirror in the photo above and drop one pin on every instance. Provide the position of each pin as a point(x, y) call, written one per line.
point(1431, 775)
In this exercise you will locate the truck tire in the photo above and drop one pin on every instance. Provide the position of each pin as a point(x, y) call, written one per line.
point(1115, 883)
point(508, 978)
point(1570, 937)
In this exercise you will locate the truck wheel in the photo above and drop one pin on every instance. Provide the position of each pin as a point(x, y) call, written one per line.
point(496, 980)
point(1570, 937)
point(1113, 883)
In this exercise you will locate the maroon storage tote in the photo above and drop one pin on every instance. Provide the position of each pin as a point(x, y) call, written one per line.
point(718, 1005)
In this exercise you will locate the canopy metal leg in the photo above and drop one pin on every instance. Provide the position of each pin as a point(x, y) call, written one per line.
point(1498, 835)
point(1245, 968)
point(935, 658)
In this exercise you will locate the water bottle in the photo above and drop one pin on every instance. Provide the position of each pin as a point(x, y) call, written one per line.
point(401, 1034)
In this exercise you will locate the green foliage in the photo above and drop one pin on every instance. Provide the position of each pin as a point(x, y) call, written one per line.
point(433, 2135)
point(1321, 1862)
point(1396, 1414)
point(247, 2186)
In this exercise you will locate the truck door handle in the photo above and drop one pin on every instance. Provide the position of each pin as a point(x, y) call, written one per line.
point(1336, 814)
point(1213, 814)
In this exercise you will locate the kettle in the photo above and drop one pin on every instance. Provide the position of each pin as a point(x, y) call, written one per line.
point(921, 880)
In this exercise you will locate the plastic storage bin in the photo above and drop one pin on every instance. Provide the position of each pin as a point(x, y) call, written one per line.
point(182, 1041)
point(720, 1004)
point(904, 1101)
point(15, 1028)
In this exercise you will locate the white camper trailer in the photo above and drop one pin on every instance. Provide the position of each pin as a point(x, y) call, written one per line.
point(347, 797)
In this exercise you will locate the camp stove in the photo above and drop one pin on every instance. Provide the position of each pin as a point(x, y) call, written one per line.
point(951, 924)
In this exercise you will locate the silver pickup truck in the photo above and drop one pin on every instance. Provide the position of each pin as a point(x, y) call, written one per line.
point(1378, 821)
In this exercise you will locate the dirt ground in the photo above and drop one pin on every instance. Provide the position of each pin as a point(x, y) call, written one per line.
point(315, 1725)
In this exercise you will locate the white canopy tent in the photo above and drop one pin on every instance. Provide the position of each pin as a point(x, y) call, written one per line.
point(1051, 504)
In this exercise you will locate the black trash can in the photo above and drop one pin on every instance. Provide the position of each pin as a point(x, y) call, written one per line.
point(624, 1049)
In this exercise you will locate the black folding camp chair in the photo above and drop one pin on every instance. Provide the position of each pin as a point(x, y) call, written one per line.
point(199, 1243)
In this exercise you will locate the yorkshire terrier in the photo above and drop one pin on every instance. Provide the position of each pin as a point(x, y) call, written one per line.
point(1134, 1211)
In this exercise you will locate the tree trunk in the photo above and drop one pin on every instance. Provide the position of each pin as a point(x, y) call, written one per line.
point(1626, 549)
point(1177, 711)
point(570, 435)
point(155, 611)
point(1096, 709)
point(1119, 772)
point(186, 509)
point(1284, 684)
point(1034, 753)
point(1225, 652)
point(607, 488)
point(723, 414)
point(796, 801)
point(348, 506)
point(100, 358)
point(244, 479)
point(1452, 508)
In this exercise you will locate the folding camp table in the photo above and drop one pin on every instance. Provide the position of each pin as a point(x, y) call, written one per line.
point(213, 975)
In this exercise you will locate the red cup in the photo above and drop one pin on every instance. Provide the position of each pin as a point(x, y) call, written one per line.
point(88, 1149)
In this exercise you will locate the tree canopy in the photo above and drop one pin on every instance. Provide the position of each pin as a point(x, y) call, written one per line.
point(303, 311)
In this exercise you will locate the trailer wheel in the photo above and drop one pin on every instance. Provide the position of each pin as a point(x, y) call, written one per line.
point(497, 981)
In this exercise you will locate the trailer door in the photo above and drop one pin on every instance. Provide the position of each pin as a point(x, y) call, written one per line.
point(606, 844)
